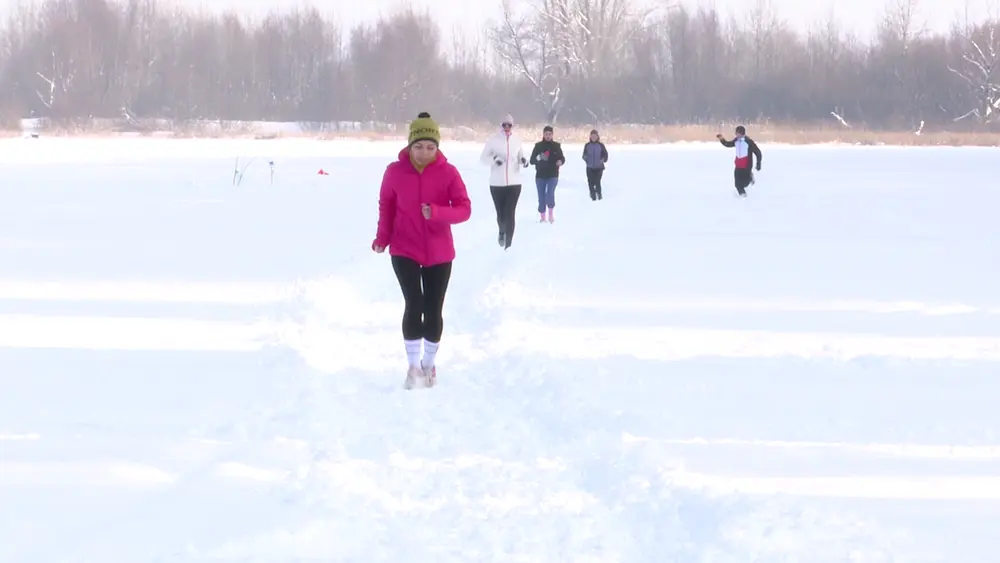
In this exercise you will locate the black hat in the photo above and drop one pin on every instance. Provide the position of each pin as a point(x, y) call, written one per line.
point(741, 130)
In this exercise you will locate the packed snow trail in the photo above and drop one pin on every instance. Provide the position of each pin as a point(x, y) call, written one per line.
point(214, 373)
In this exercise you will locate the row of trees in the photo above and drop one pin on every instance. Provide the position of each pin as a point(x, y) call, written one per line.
point(566, 61)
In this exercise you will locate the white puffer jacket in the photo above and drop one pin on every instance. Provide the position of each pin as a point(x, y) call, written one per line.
point(508, 152)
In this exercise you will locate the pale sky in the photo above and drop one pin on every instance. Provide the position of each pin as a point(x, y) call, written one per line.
point(859, 16)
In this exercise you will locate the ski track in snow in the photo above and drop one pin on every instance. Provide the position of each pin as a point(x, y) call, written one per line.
point(197, 372)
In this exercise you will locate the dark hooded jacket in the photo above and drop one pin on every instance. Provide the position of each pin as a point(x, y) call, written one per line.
point(544, 157)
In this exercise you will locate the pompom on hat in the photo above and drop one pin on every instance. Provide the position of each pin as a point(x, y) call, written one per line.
point(423, 128)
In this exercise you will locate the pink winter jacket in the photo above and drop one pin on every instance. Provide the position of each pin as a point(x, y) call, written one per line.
point(401, 225)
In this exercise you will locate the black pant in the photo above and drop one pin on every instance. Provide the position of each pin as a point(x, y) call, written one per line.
point(505, 201)
point(743, 178)
point(594, 176)
point(422, 314)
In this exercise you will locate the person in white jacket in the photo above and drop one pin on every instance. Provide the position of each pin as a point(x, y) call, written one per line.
point(505, 157)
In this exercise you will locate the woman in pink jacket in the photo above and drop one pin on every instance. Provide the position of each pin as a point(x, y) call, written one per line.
point(422, 196)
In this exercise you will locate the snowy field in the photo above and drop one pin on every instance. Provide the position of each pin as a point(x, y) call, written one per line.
point(192, 371)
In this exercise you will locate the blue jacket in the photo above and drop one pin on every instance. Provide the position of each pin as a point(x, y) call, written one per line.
point(595, 154)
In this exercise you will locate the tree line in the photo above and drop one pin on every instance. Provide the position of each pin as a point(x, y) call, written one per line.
point(559, 61)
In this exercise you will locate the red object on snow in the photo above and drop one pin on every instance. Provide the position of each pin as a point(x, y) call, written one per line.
point(323, 172)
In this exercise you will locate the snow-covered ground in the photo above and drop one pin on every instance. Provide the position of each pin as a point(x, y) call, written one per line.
point(192, 371)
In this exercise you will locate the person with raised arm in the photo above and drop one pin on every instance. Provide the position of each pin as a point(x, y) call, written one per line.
point(746, 150)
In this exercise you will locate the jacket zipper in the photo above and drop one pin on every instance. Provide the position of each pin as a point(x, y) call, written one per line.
point(423, 222)
point(506, 167)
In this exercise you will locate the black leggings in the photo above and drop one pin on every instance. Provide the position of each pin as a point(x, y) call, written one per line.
point(505, 201)
point(422, 315)
point(743, 177)
point(594, 176)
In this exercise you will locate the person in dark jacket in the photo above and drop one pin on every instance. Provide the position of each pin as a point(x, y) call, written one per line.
point(547, 157)
point(746, 150)
point(595, 154)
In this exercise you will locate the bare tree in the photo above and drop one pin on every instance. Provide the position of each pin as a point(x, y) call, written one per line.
point(394, 64)
point(828, 51)
point(891, 71)
point(135, 62)
point(900, 26)
point(764, 28)
point(524, 45)
point(979, 69)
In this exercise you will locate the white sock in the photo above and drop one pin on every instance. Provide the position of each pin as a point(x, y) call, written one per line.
point(412, 351)
point(430, 352)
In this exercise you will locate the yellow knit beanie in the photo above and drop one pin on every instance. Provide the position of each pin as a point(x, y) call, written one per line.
point(423, 128)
